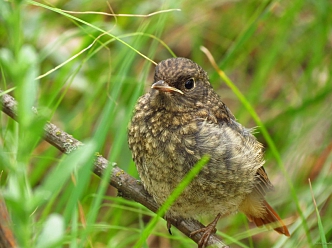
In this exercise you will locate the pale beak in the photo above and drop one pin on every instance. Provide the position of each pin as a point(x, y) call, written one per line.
point(162, 86)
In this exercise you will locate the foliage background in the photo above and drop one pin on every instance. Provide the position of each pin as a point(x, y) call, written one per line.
point(278, 53)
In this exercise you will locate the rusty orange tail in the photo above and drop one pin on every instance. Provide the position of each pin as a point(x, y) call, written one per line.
point(270, 217)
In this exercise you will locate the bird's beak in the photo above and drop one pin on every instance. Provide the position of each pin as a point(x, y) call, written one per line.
point(163, 86)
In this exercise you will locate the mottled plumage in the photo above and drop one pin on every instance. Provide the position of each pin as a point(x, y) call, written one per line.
point(177, 122)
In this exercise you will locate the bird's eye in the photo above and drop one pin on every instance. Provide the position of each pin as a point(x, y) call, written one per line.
point(189, 84)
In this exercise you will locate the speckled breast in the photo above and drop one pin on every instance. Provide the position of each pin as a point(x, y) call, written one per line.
point(164, 149)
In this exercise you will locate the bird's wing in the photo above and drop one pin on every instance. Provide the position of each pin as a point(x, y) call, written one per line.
point(263, 182)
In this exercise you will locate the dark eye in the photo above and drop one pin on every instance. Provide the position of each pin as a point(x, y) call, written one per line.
point(189, 84)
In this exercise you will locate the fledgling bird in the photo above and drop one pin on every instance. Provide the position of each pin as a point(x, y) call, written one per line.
point(182, 119)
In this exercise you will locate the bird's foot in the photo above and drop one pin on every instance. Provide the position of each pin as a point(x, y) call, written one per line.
point(207, 232)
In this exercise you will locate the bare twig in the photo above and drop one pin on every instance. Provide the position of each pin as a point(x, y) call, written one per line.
point(128, 186)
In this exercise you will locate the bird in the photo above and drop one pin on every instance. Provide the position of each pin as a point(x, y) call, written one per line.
point(177, 122)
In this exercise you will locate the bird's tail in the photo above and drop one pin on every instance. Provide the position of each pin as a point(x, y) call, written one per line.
point(269, 217)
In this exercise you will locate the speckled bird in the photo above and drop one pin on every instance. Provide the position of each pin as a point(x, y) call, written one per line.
point(174, 125)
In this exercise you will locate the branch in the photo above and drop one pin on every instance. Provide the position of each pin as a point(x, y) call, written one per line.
point(127, 185)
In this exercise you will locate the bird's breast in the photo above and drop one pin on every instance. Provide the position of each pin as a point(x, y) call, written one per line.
point(167, 145)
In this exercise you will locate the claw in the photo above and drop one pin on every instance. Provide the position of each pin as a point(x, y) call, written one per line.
point(169, 225)
point(207, 232)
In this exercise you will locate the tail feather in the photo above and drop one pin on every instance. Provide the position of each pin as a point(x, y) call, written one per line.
point(270, 216)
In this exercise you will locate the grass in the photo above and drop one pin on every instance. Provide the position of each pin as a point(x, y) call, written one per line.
point(92, 68)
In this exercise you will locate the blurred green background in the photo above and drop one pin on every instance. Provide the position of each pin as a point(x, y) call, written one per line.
point(278, 53)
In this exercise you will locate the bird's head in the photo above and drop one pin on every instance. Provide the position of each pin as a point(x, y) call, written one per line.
point(179, 84)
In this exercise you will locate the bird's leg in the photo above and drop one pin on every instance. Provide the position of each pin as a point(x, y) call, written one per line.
point(169, 225)
point(207, 232)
